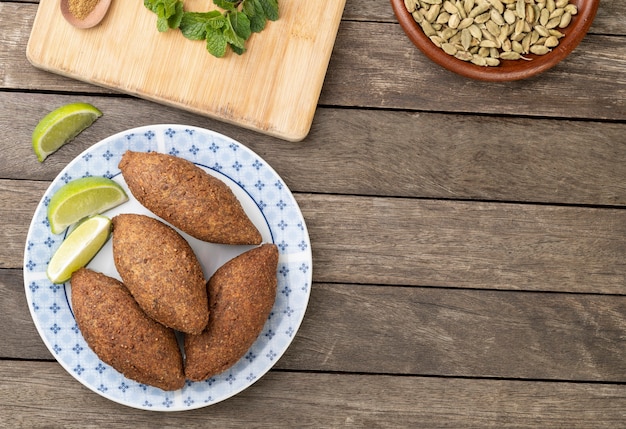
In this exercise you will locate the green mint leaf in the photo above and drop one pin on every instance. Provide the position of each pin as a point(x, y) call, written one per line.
point(216, 42)
point(237, 49)
point(258, 19)
point(169, 12)
point(248, 8)
point(219, 21)
point(232, 37)
point(174, 20)
point(193, 24)
point(227, 5)
point(150, 4)
point(162, 25)
point(270, 7)
point(240, 23)
point(221, 29)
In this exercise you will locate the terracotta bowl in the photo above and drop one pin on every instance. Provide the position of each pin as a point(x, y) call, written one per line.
point(507, 70)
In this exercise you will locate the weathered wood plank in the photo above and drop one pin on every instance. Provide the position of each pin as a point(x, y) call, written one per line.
point(19, 200)
point(23, 342)
point(609, 19)
point(32, 392)
point(373, 152)
point(423, 331)
point(429, 243)
point(369, 72)
point(15, 70)
point(433, 331)
point(466, 244)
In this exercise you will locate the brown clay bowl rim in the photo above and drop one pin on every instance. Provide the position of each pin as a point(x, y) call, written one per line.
point(507, 70)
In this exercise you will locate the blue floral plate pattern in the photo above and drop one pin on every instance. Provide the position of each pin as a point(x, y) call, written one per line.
point(268, 202)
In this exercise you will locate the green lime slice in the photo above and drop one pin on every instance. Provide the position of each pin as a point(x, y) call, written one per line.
point(83, 197)
point(62, 125)
point(80, 246)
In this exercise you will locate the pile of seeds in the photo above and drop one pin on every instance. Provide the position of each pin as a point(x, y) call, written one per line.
point(486, 31)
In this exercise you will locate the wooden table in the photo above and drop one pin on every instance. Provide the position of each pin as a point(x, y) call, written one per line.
point(469, 240)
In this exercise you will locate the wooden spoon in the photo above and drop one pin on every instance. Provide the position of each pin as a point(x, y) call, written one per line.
point(91, 20)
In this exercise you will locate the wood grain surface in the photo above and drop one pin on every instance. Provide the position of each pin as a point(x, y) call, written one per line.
point(273, 88)
point(469, 240)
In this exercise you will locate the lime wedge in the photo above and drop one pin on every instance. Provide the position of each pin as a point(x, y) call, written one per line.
point(81, 198)
point(80, 246)
point(62, 125)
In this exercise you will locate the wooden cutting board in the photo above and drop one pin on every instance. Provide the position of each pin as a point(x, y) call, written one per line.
point(272, 88)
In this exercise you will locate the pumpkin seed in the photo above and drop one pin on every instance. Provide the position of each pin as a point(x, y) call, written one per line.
point(437, 41)
point(460, 9)
point(447, 33)
point(492, 62)
point(539, 49)
point(530, 13)
point(496, 17)
point(410, 5)
point(551, 42)
point(556, 33)
point(544, 16)
point(475, 31)
point(450, 7)
point(479, 10)
point(543, 31)
point(468, 5)
point(488, 44)
point(478, 60)
point(454, 21)
point(481, 19)
point(557, 12)
point(449, 48)
point(485, 31)
point(493, 28)
point(463, 55)
point(428, 28)
point(509, 16)
point(466, 22)
point(497, 5)
point(466, 38)
point(520, 9)
point(510, 55)
point(432, 13)
point(526, 43)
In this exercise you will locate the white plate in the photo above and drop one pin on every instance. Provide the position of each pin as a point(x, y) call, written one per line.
point(268, 202)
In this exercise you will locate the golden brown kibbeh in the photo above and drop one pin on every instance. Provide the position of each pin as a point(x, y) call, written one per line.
point(187, 197)
point(122, 335)
point(241, 296)
point(161, 271)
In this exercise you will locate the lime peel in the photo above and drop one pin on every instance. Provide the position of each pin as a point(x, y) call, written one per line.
point(80, 246)
point(61, 126)
point(81, 198)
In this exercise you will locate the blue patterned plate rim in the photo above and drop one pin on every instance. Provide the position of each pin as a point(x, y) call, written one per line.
point(268, 202)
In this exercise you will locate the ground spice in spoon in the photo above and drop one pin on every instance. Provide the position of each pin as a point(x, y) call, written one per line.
point(80, 9)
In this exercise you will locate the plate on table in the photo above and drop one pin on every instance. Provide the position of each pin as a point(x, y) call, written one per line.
point(267, 201)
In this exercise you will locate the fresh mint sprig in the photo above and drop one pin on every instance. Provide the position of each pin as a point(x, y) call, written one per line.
point(231, 27)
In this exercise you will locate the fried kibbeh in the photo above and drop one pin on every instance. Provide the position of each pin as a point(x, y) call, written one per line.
point(122, 335)
point(241, 296)
point(187, 197)
point(161, 271)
